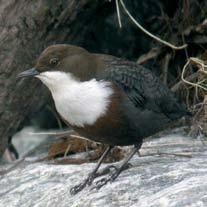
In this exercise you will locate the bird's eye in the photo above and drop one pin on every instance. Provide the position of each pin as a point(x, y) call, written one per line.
point(54, 61)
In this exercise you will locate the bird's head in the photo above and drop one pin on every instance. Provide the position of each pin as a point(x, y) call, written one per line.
point(61, 61)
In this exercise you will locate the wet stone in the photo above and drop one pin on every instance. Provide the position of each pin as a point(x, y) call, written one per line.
point(153, 180)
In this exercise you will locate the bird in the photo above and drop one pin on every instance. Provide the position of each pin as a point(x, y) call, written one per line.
point(107, 99)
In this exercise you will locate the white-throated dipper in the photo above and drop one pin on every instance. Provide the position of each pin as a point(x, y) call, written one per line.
point(106, 99)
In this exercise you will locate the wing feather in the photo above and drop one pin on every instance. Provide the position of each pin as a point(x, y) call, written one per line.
point(143, 88)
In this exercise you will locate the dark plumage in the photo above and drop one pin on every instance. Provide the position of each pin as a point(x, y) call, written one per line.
point(139, 106)
point(142, 87)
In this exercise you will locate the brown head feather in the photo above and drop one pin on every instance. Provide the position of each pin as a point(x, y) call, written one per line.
point(68, 58)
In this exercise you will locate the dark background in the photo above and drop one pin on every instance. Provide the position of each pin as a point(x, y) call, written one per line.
point(27, 27)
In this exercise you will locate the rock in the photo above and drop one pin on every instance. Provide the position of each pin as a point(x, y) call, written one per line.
point(153, 180)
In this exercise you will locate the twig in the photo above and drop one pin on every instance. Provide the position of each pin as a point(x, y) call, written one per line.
point(201, 66)
point(189, 78)
point(168, 154)
point(150, 34)
point(79, 137)
point(186, 51)
point(67, 150)
point(118, 13)
point(154, 52)
point(165, 68)
point(73, 161)
point(59, 133)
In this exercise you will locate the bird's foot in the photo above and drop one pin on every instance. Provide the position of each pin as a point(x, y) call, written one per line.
point(87, 182)
point(107, 170)
point(114, 173)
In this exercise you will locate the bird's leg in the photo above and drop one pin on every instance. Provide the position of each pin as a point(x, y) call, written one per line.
point(109, 169)
point(117, 171)
point(92, 175)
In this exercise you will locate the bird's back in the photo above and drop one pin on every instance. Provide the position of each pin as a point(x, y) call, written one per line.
point(143, 88)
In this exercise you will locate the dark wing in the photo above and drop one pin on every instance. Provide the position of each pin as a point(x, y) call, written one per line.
point(143, 88)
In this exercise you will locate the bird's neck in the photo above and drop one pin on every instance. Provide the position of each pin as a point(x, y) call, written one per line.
point(79, 103)
point(56, 80)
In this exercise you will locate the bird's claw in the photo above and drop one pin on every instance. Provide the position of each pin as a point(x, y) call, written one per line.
point(90, 178)
point(100, 183)
point(87, 182)
point(114, 173)
point(77, 188)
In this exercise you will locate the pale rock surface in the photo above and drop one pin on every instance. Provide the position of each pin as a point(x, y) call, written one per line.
point(153, 181)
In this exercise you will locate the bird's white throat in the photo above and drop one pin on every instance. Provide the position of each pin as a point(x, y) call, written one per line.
point(79, 103)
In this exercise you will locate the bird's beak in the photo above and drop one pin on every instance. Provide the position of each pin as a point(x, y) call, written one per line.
point(28, 73)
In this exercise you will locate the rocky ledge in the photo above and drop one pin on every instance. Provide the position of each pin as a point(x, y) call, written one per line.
point(158, 178)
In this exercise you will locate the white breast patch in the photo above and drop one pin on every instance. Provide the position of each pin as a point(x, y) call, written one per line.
point(79, 103)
